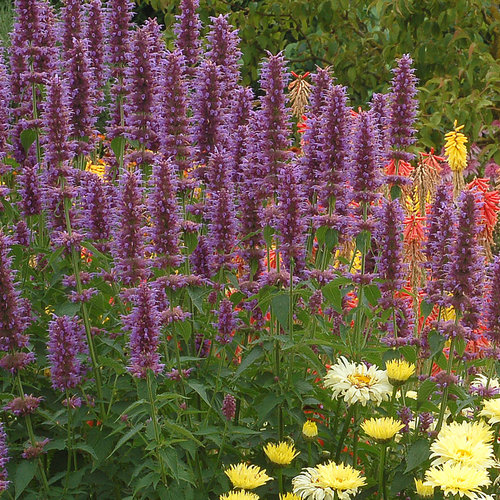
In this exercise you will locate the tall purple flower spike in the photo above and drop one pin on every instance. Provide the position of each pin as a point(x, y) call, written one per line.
point(292, 220)
point(144, 325)
point(273, 119)
point(165, 213)
point(4, 458)
point(493, 304)
point(94, 34)
point(440, 234)
point(379, 108)
point(464, 270)
point(171, 109)
point(187, 30)
point(128, 246)
point(66, 345)
point(226, 324)
point(312, 144)
point(5, 97)
point(403, 109)
point(71, 28)
point(223, 50)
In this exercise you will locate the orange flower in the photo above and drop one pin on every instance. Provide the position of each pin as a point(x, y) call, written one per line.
point(403, 168)
point(414, 231)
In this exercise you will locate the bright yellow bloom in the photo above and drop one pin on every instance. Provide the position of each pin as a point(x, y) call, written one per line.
point(289, 496)
point(310, 429)
point(355, 382)
point(423, 490)
point(282, 453)
point(455, 148)
point(458, 479)
point(466, 443)
point(247, 477)
point(399, 371)
point(491, 410)
point(96, 168)
point(326, 480)
point(382, 429)
point(239, 495)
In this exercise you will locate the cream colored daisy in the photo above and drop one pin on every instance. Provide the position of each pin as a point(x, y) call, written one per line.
point(357, 383)
point(246, 477)
point(491, 410)
point(326, 480)
point(458, 479)
point(465, 443)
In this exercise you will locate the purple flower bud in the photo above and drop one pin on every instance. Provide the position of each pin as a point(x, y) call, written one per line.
point(72, 402)
point(202, 345)
point(229, 407)
point(66, 346)
point(226, 324)
point(425, 421)
point(17, 361)
point(34, 451)
point(23, 406)
point(406, 416)
point(144, 325)
point(315, 302)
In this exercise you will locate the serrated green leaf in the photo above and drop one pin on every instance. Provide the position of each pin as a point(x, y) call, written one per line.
point(417, 454)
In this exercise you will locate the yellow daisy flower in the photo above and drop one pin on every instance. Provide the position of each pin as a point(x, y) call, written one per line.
point(491, 410)
point(423, 490)
point(357, 383)
point(239, 495)
point(247, 477)
point(309, 429)
point(399, 371)
point(282, 453)
point(326, 480)
point(455, 148)
point(466, 443)
point(458, 479)
point(289, 496)
point(382, 429)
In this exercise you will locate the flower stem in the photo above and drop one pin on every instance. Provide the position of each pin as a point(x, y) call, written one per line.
point(280, 479)
point(69, 442)
point(446, 390)
point(381, 470)
point(345, 428)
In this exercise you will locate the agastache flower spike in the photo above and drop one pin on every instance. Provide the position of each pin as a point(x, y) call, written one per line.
point(164, 210)
point(66, 346)
point(273, 119)
point(465, 276)
point(4, 458)
point(71, 28)
point(207, 110)
point(226, 324)
point(223, 50)
point(144, 325)
point(5, 97)
point(292, 221)
point(128, 246)
point(379, 108)
point(493, 305)
point(312, 144)
point(403, 109)
point(171, 108)
point(187, 30)
point(94, 33)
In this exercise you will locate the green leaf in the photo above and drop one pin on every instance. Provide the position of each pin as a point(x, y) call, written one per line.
point(248, 360)
point(132, 432)
point(200, 389)
point(426, 308)
point(333, 295)
point(417, 454)
point(117, 145)
point(436, 342)
point(425, 390)
point(28, 137)
point(88, 449)
point(280, 306)
point(372, 293)
point(25, 472)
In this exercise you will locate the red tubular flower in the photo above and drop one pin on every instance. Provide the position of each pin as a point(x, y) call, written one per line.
point(490, 204)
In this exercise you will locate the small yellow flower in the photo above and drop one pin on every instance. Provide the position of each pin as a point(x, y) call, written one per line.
point(382, 429)
point(423, 490)
point(309, 429)
point(399, 371)
point(239, 495)
point(455, 148)
point(458, 479)
point(96, 168)
point(247, 477)
point(282, 453)
point(491, 410)
point(289, 496)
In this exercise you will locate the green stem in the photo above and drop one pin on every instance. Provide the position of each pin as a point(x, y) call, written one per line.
point(69, 443)
point(355, 439)
point(343, 435)
point(381, 470)
point(155, 426)
point(280, 479)
point(446, 390)
point(309, 453)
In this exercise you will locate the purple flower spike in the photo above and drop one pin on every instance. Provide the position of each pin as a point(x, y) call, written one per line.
point(207, 111)
point(293, 221)
point(226, 324)
point(29, 188)
point(223, 50)
point(66, 345)
point(4, 458)
point(312, 143)
point(229, 407)
point(273, 119)
point(187, 29)
point(165, 213)
point(12, 322)
point(71, 28)
point(200, 259)
point(493, 305)
point(172, 111)
point(23, 406)
point(128, 246)
point(379, 108)
point(82, 98)
point(94, 33)
point(144, 325)
point(465, 276)
point(403, 109)
point(141, 87)
point(5, 97)
point(440, 235)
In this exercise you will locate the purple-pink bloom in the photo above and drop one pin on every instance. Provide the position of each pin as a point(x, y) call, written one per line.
point(67, 349)
point(493, 303)
point(187, 30)
point(94, 34)
point(226, 324)
point(71, 28)
point(229, 407)
point(23, 406)
point(4, 458)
